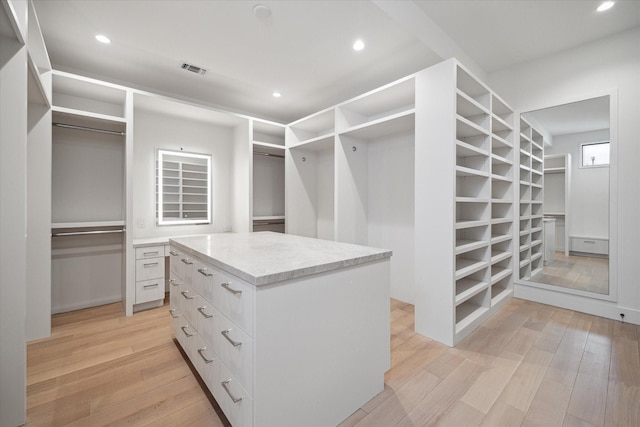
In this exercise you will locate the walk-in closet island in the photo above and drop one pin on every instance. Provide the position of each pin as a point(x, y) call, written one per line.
point(284, 330)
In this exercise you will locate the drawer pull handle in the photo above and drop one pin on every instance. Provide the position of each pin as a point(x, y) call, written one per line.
point(184, 294)
point(172, 313)
point(184, 329)
point(201, 310)
point(174, 253)
point(225, 334)
point(173, 282)
point(150, 264)
point(155, 285)
point(187, 261)
point(590, 241)
point(201, 353)
point(150, 253)
point(230, 289)
point(225, 385)
point(203, 271)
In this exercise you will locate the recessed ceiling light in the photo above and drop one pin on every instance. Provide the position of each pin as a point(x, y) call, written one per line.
point(358, 45)
point(276, 94)
point(103, 39)
point(605, 6)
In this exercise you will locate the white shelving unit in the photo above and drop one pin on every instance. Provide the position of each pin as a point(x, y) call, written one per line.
point(557, 195)
point(310, 180)
point(350, 176)
point(461, 126)
point(88, 192)
point(531, 201)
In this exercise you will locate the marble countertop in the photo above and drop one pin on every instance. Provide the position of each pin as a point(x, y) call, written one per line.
point(266, 257)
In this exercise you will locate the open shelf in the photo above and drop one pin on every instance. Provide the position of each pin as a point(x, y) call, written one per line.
point(318, 126)
point(394, 99)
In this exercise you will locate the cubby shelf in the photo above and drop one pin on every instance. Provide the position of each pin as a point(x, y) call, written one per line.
point(480, 140)
point(531, 203)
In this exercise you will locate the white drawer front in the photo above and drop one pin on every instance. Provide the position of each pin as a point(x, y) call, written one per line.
point(186, 302)
point(234, 400)
point(184, 267)
point(206, 318)
point(151, 268)
point(235, 299)
point(235, 349)
point(205, 361)
point(593, 246)
point(149, 290)
point(186, 333)
point(149, 252)
point(174, 258)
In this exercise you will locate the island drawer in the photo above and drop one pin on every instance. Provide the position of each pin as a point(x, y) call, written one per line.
point(234, 297)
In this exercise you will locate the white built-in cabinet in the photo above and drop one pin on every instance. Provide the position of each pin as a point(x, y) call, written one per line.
point(423, 166)
point(464, 202)
point(350, 176)
point(531, 201)
point(88, 198)
point(557, 197)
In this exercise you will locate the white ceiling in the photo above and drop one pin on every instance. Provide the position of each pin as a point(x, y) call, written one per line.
point(303, 49)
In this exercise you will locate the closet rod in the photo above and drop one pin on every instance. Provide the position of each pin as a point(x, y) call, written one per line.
point(82, 233)
point(261, 153)
point(110, 132)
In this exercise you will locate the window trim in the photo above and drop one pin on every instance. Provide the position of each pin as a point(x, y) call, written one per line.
point(160, 214)
point(583, 166)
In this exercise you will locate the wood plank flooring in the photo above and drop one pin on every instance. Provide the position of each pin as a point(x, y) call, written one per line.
point(528, 365)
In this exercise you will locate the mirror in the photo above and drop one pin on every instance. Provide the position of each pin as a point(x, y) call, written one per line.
point(564, 217)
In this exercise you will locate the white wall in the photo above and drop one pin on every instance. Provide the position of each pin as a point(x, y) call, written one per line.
point(608, 64)
point(268, 185)
point(589, 205)
point(154, 130)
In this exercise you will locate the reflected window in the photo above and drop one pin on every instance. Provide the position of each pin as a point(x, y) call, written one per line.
point(595, 154)
point(183, 188)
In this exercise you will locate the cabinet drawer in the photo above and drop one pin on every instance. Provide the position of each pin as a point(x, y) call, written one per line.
point(174, 257)
point(235, 298)
point(205, 361)
point(149, 252)
point(150, 268)
point(233, 399)
point(149, 290)
point(588, 245)
point(205, 320)
point(185, 333)
point(235, 349)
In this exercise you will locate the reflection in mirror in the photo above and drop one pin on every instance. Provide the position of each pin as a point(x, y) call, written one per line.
point(574, 238)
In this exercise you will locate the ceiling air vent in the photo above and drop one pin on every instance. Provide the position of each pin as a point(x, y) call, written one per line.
point(193, 68)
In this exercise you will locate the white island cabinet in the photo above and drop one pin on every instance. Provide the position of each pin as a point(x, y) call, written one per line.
point(284, 330)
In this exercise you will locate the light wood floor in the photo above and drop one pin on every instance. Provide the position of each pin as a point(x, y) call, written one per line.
point(584, 273)
point(529, 364)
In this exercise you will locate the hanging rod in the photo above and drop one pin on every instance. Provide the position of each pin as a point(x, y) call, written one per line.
point(262, 153)
point(110, 132)
point(82, 233)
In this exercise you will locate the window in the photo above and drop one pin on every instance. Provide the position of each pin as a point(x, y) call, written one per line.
point(595, 154)
point(183, 192)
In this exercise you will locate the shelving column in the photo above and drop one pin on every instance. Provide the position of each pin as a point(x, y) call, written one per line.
point(452, 213)
point(502, 200)
point(309, 176)
point(531, 201)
